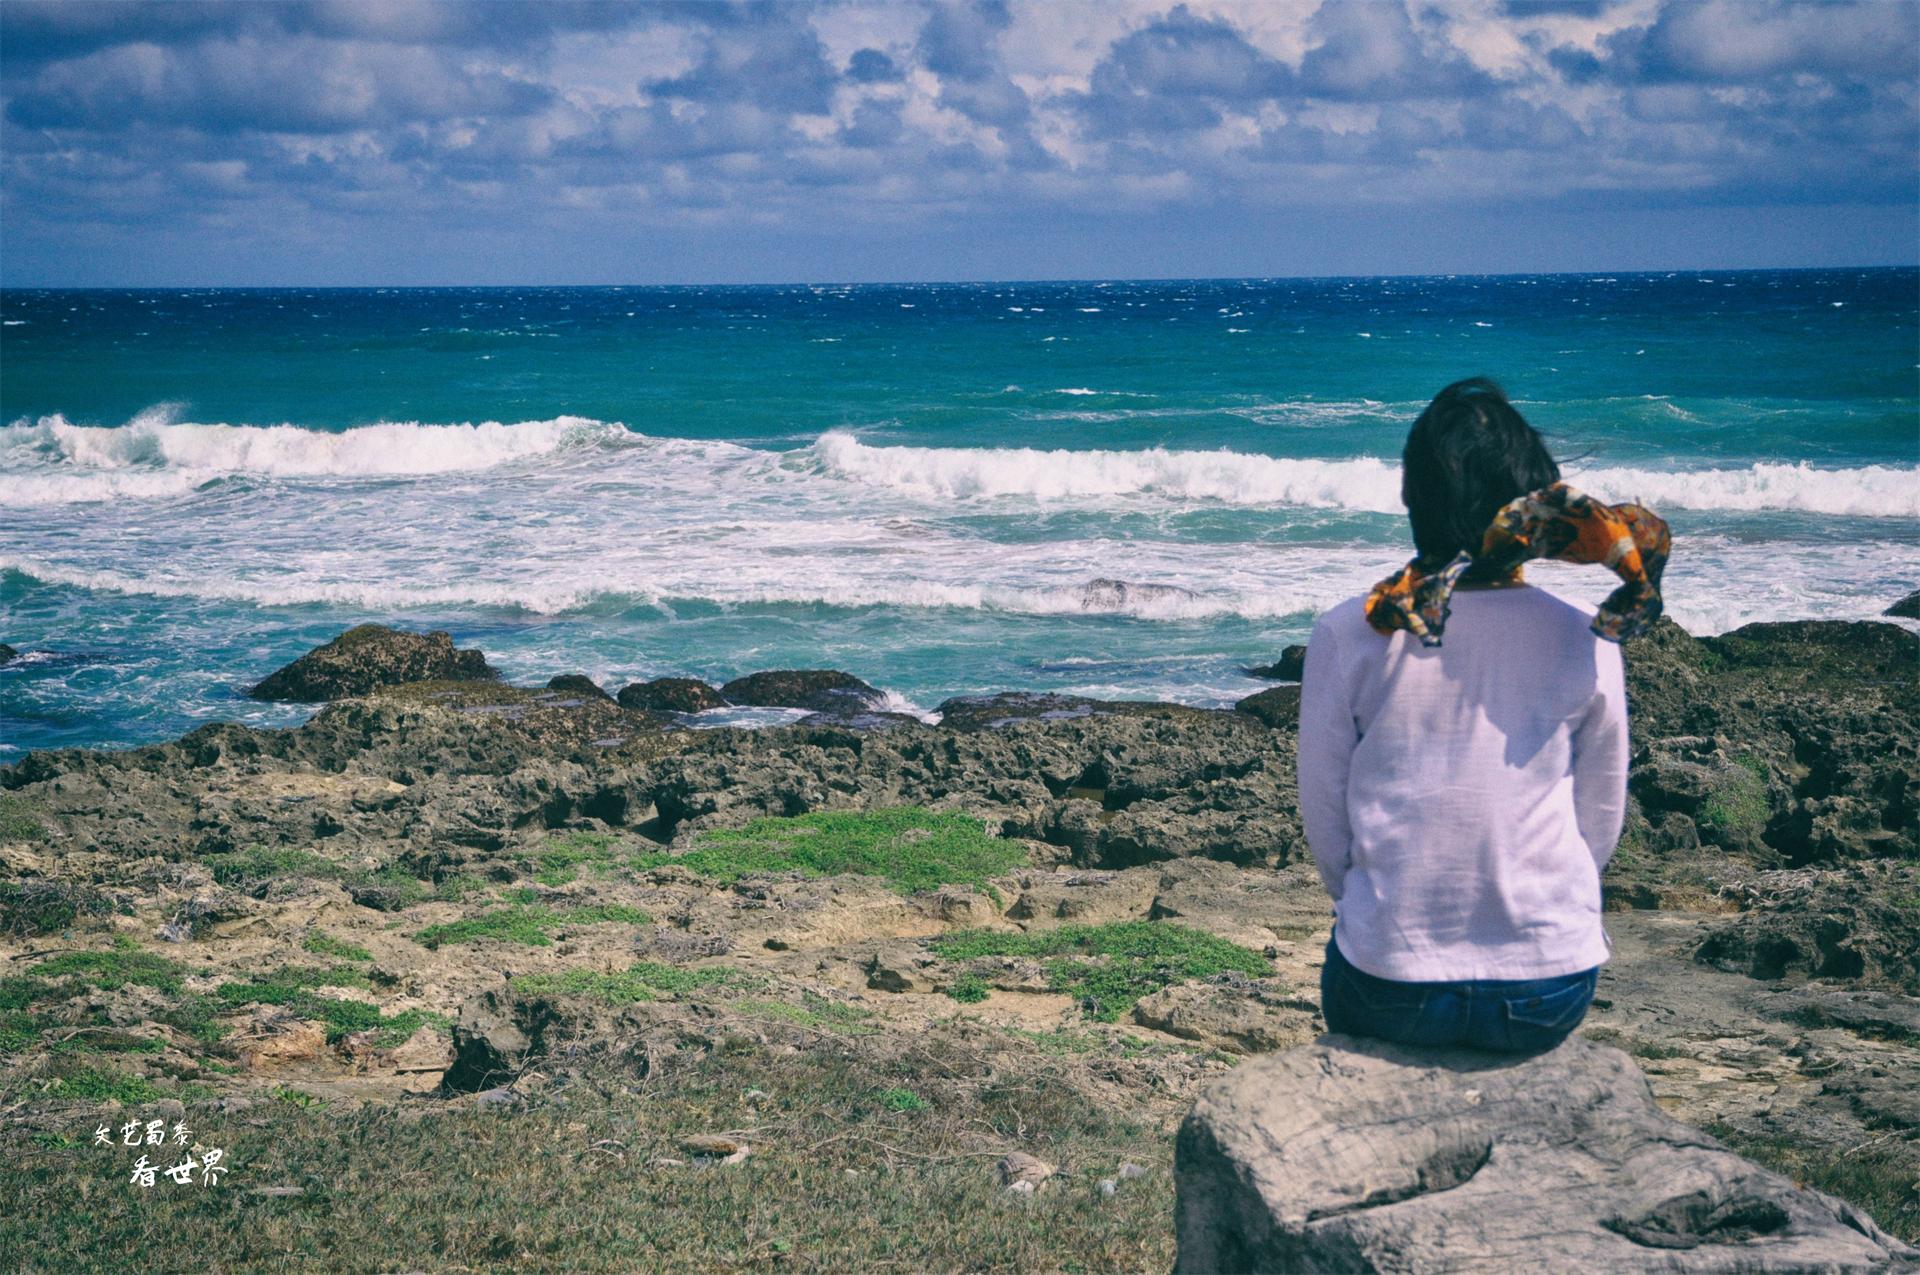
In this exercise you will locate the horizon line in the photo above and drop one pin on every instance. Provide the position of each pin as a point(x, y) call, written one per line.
point(943, 283)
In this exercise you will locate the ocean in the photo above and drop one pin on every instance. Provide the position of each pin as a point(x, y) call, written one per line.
point(1121, 489)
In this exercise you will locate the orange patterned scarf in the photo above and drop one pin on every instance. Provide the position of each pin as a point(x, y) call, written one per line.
point(1554, 522)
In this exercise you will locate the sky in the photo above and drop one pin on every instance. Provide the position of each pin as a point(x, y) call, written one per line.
point(341, 142)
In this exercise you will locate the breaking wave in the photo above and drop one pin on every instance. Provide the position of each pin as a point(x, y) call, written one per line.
point(1363, 484)
point(52, 461)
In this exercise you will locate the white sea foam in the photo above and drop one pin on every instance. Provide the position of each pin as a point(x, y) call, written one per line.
point(52, 461)
point(1233, 477)
point(1868, 491)
point(1364, 484)
point(156, 457)
point(1713, 585)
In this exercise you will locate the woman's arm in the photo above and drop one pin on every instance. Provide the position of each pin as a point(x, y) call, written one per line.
point(1327, 738)
point(1600, 758)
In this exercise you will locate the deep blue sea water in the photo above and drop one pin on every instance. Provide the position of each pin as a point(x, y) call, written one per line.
point(917, 483)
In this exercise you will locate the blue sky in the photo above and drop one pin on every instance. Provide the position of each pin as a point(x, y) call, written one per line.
point(573, 141)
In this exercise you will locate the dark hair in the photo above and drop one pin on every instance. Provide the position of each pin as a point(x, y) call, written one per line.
point(1468, 454)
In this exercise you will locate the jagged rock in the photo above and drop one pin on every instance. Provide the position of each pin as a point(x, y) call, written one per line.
point(1725, 800)
point(1667, 669)
point(7, 653)
point(1907, 608)
point(577, 684)
point(1354, 1155)
point(1814, 649)
point(858, 721)
point(989, 712)
point(494, 1038)
point(1858, 925)
point(1290, 667)
point(671, 695)
point(371, 656)
point(1277, 706)
point(817, 690)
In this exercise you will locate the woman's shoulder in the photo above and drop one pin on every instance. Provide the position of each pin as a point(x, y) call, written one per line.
point(1344, 621)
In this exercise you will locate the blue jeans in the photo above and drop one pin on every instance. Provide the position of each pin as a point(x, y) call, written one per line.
point(1525, 1016)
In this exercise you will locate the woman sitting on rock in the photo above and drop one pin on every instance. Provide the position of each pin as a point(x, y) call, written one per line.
point(1462, 798)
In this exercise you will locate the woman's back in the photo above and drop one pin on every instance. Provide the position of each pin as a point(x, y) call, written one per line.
point(1461, 799)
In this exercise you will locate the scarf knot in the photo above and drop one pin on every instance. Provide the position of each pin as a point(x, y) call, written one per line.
point(1555, 522)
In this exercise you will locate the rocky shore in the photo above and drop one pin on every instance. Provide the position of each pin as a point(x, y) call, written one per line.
point(444, 889)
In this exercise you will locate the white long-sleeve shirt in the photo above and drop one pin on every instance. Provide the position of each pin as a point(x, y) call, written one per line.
point(1461, 800)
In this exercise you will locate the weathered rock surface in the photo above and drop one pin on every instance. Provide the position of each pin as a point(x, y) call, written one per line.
point(493, 1040)
point(368, 657)
point(7, 653)
point(672, 695)
point(817, 690)
point(990, 712)
point(1861, 926)
point(577, 684)
point(1907, 608)
point(1290, 667)
point(1791, 743)
point(1361, 1156)
point(1233, 1013)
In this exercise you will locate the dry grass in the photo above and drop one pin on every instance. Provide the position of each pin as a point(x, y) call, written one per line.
point(845, 1174)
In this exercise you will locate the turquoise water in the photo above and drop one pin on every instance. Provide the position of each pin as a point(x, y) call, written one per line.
point(920, 484)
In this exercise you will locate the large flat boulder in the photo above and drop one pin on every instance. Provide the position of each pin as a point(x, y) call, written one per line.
point(368, 657)
point(1351, 1155)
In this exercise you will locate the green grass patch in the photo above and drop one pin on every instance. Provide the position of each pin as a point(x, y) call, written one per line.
point(125, 963)
point(262, 863)
point(195, 1015)
point(558, 860)
point(98, 1084)
point(1110, 967)
point(293, 990)
point(20, 820)
point(901, 1100)
point(969, 989)
point(529, 923)
point(323, 944)
point(910, 848)
point(644, 981)
point(816, 1012)
point(396, 888)
point(297, 1097)
point(19, 1030)
point(1739, 802)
